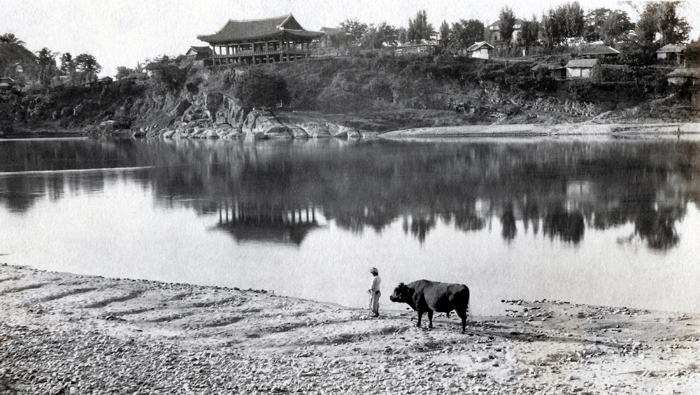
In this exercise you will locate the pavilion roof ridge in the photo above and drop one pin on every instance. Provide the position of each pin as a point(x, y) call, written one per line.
point(286, 17)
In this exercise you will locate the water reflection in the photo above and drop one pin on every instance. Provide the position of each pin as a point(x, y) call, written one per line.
point(263, 190)
point(271, 224)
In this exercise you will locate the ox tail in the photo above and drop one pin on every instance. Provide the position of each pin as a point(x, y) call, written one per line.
point(469, 310)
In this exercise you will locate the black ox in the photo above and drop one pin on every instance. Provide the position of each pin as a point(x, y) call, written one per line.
point(430, 296)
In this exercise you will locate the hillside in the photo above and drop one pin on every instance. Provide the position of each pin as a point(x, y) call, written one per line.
point(12, 55)
point(351, 96)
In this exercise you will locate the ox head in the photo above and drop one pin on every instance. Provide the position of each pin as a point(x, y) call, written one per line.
point(402, 294)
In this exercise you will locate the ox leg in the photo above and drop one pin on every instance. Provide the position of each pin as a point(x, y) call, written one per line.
point(420, 315)
point(430, 318)
point(463, 315)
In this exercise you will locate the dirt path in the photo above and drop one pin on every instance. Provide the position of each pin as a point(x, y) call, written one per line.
point(67, 334)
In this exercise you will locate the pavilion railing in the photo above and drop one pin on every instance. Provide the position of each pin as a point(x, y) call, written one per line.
point(262, 53)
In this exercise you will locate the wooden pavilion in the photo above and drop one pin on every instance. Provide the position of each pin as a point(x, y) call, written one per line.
point(279, 39)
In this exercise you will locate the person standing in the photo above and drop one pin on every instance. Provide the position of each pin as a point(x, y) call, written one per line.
point(374, 293)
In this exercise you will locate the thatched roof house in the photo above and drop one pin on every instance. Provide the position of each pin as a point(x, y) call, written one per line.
point(261, 40)
point(683, 75)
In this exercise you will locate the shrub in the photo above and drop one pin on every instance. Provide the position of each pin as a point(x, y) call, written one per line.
point(168, 77)
point(258, 89)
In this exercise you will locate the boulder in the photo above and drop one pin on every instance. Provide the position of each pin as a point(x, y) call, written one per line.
point(297, 132)
point(262, 124)
point(334, 130)
point(168, 134)
point(350, 132)
point(210, 134)
point(315, 129)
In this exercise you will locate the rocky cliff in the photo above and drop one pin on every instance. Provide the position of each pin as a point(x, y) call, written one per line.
point(343, 97)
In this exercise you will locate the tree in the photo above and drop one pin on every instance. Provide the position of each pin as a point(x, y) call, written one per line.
point(566, 21)
point(551, 29)
point(593, 24)
point(87, 67)
point(419, 28)
point(444, 34)
point(662, 18)
point(573, 14)
point(692, 53)
point(506, 24)
point(465, 33)
point(123, 72)
point(615, 24)
point(673, 29)
point(529, 33)
point(47, 65)
point(68, 66)
point(402, 35)
point(9, 38)
point(354, 28)
point(376, 37)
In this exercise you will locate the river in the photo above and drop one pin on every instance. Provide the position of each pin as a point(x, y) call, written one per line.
point(599, 220)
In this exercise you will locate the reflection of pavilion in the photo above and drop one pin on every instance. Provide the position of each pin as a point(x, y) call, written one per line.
point(268, 224)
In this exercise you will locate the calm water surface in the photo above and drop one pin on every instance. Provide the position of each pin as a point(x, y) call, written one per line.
point(602, 221)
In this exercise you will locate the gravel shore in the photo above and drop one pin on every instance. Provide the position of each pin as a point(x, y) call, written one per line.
point(62, 333)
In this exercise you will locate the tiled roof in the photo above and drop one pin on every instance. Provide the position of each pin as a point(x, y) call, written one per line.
point(259, 29)
point(478, 45)
point(201, 49)
point(582, 63)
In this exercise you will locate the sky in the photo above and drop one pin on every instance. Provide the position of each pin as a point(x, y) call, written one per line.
point(124, 32)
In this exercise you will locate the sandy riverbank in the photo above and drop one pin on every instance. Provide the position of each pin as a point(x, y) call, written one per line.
point(68, 334)
point(560, 129)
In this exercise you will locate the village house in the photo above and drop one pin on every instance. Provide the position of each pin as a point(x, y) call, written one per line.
point(279, 39)
point(423, 47)
point(671, 53)
point(495, 36)
point(481, 50)
point(580, 68)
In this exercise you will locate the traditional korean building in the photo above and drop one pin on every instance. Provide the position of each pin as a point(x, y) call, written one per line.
point(199, 53)
point(279, 39)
